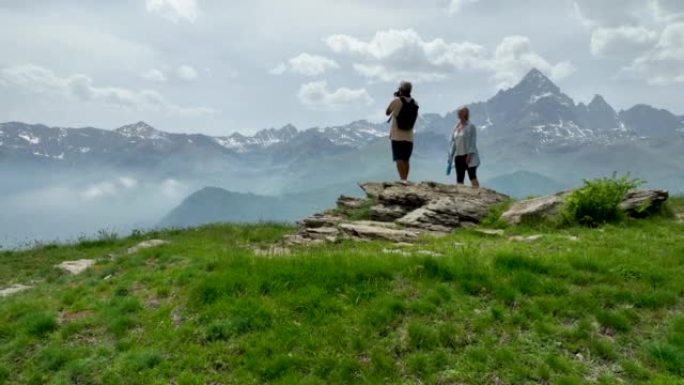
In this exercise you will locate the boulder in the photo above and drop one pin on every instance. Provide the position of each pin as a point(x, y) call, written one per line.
point(542, 208)
point(639, 203)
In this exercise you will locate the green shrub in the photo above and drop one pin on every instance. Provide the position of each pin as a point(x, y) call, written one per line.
point(598, 201)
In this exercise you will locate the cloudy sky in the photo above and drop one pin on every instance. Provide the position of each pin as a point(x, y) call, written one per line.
point(222, 66)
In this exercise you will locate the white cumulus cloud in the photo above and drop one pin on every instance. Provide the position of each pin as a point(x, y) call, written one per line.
point(647, 35)
point(455, 6)
point(664, 64)
point(393, 55)
point(669, 10)
point(514, 57)
point(41, 81)
point(622, 41)
point(611, 13)
point(306, 64)
point(311, 65)
point(187, 73)
point(154, 75)
point(316, 95)
point(280, 69)
point(174, 10)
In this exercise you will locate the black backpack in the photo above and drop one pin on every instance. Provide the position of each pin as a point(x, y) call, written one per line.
point(408, 114)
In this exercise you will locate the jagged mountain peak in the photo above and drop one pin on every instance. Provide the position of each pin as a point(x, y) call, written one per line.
point(535, 80)
point(598, 100)
point(140, 130)
point(286, 132)
point(599, 104)
point(533, 87)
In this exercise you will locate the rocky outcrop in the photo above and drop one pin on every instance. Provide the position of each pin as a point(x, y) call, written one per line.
point(399, 213)
point(402, 213)
point(637, 203)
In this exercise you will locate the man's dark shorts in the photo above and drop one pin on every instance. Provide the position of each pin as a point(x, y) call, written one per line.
point(402, 150)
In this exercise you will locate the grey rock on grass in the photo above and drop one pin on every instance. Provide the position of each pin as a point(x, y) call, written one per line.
point(76, 267)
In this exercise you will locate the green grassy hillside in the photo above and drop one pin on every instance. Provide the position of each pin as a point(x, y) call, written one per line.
point(465, 309)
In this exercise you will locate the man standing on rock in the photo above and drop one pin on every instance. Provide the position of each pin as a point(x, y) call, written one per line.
point(403, 113)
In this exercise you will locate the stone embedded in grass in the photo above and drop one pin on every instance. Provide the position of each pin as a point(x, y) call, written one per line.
point(14, 289)
point(526, 239)
point(429, 253)
point(76, 267)
point(403, 244)
point(396, 251)
point(146, 245)
point(177, 317)
point(273, 251)
point(492, 232)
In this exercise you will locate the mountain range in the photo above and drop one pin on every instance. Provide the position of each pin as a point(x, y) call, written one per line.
point(531, 136)
point(535, 111)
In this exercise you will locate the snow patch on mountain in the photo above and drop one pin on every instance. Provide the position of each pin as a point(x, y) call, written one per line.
point(141, 130)
point(29, 138)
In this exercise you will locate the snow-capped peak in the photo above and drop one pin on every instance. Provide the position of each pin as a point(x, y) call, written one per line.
point(140, 130)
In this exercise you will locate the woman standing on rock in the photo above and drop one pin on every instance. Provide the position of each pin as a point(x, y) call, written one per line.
point(463, 151)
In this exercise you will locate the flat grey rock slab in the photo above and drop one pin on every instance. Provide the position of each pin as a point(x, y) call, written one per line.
point(76, 267)
point(321, 220)
point(378, 233)
point(14, 289)
point(146, 245)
